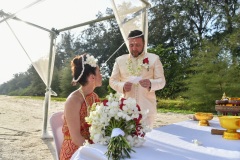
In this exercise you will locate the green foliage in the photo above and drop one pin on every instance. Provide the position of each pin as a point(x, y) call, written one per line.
point(37, 86)
point(178, 105)
point(181, 105)
point(65, 82)
point(110, 90)
point(213, 73)
point(66, 49)
point(172, 69)
point(55, 86)
point(102, 41)
point(102, 91)
point(198, 45)
point(168, 103)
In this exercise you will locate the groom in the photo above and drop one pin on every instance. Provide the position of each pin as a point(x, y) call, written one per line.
point(139, 75)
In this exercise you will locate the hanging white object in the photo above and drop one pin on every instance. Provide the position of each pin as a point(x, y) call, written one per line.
point(131, 15)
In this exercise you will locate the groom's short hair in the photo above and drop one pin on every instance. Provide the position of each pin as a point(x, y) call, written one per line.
point(135, 34)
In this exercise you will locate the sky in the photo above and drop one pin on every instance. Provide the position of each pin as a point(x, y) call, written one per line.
point(53, 14)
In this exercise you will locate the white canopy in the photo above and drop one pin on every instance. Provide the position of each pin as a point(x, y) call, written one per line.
point(36, 24)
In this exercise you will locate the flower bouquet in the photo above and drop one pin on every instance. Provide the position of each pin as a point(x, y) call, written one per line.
point(118, 123)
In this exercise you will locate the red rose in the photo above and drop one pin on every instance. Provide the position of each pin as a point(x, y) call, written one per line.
point(138, 107)
point(121, 105)
point(105, 102)
point(145, 61)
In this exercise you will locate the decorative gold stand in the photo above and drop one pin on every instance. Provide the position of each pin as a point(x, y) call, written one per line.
point(231, 135)
point(203, 118)
point(231, 124)
point(203, 122)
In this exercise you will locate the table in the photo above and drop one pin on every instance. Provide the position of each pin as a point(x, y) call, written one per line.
point(174, 142)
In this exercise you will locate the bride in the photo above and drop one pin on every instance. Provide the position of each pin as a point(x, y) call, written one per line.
point(85, 72)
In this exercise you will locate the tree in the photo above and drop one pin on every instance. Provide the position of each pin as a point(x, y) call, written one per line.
point(37, 86)
point(66, 49)
point(65, 82)
point(172, 69)
point(102, 39)
point(213, 75)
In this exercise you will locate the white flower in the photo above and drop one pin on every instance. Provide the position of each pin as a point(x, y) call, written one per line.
point(197, 142)
point(145, 65)
point(91, 61)
point(86, 143)
point(136, 70)
point(120, 110)
point(97, 137)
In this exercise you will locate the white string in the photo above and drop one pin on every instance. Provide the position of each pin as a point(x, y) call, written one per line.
point(114, 52)
point(88, 106)
point(119, 48)
point(75, 81)
point(18, 41)
point(13, 15)
point(135, 36)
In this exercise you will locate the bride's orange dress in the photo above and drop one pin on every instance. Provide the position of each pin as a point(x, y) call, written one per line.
point(68, 147)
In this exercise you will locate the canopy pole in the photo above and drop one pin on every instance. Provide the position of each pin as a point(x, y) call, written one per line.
point(48, 94)
point(86, 23)
point(47, 99)
point(146, 2)
point(29, 23)
point(13, 15)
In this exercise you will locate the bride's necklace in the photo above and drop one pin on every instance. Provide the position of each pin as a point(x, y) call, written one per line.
point(88, 106)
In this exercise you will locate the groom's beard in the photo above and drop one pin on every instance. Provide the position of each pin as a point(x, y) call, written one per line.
point(138, 53)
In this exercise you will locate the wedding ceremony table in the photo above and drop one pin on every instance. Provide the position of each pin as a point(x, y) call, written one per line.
point(175, 142)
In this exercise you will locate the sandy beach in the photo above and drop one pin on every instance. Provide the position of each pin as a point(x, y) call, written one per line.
point(21, 123)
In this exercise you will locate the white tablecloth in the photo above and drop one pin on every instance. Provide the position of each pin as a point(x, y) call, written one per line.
point(174, 142)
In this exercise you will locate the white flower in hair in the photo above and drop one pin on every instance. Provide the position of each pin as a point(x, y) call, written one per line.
point(91, 61)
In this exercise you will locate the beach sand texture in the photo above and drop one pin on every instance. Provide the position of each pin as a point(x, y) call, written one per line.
point(21, 123)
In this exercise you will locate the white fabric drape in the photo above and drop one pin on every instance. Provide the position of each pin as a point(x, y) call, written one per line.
point(42, 58)
point(31, 41)
point(131, 15)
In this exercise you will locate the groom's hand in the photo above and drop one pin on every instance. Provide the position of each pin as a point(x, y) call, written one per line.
point(145, 83)
point(127, 87)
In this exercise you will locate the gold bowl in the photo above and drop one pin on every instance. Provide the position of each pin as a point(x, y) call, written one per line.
point(203, 118)
point(231, 124)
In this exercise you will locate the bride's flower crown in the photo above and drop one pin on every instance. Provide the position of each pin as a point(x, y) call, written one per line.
point(90, 60)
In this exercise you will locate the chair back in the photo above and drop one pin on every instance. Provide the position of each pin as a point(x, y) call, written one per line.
point(56, 123)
